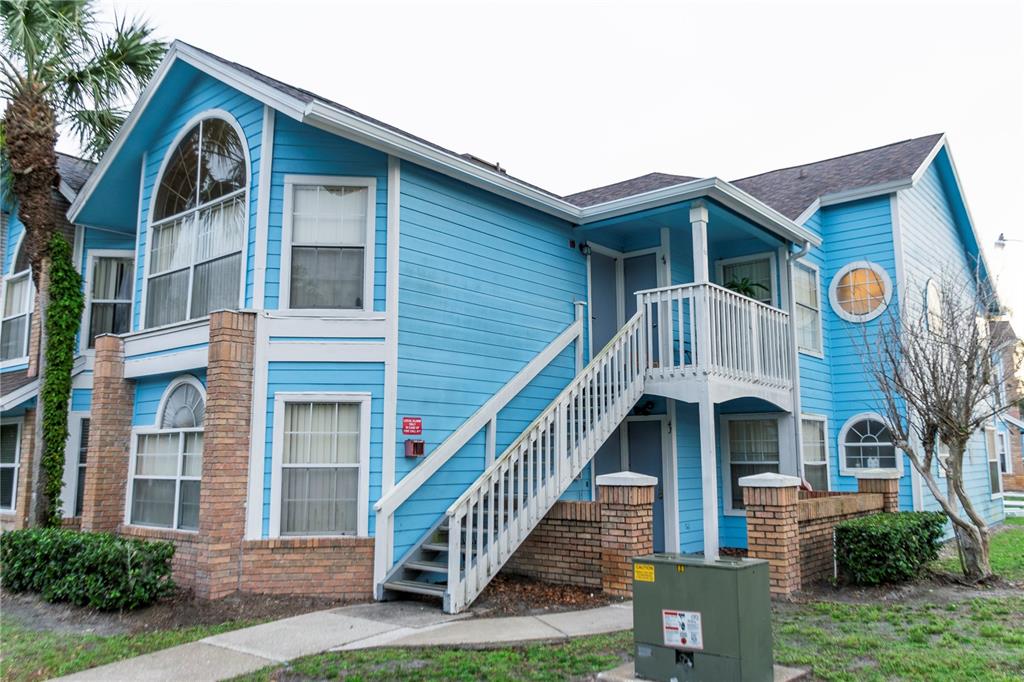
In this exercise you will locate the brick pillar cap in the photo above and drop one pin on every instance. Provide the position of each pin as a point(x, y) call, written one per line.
point(877, 474)
point(769, 480)
point(627, 478)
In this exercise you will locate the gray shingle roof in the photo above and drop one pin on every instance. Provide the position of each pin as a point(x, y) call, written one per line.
point(791, 190)
point(73, 170)
point(12, 381)
point(626, 188)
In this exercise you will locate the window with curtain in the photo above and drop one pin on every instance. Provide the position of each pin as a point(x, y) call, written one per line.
point(815, 453)
point(320, 468)
point(110, 297)
point(808, 308)
point(753, 449)
point(17, 316)
point(868, 444)
point(758, 271)
point(994, 474)
point(10, 459)
point(328, 246)
point(198, 227)
point(83, 455)
point(169, 462)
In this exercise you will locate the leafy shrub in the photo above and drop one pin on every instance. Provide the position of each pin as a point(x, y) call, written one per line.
point(887, 548)
point(96, 569)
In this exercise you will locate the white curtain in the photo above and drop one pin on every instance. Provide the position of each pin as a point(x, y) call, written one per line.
point(328, 245)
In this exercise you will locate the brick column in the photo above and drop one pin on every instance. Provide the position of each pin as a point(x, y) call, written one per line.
point(226, 427)
point(110, 431)
point(627, 527)
point(884, 482)
point(772, 527)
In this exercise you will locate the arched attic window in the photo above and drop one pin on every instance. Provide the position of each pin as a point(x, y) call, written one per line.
point(198, 225)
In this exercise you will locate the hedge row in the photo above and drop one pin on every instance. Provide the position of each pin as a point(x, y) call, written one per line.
point(88, 569)
point(888, 548)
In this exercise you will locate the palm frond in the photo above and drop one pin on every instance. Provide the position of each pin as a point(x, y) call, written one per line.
point(96, 128)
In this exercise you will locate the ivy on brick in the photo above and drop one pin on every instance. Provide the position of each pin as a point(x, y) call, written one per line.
point(63, 317)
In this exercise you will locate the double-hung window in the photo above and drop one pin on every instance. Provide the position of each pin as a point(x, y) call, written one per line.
point(17, 316)
point(751, 447)
point(321, 453)
point(994, 474)
point(10, 460)
point(812, 430)
point(808, 309)
point(328, 261)
point(168, 461)
point(198, 226)
point(110, 296)
point(83, 455)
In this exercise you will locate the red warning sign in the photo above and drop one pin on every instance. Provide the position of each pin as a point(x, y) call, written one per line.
point(412, 426)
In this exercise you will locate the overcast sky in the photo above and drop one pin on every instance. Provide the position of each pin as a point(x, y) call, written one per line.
point(571, 95)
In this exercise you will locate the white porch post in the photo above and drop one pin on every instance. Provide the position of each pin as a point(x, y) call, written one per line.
point(709, 476)
point(699, 228)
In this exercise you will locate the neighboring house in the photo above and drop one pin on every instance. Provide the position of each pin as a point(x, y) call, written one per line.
point(1010, 424)
point(400, 299)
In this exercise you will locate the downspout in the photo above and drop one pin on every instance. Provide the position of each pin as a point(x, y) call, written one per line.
point(791, 259)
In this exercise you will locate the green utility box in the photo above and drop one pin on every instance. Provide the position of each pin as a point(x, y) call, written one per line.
point(699, 619)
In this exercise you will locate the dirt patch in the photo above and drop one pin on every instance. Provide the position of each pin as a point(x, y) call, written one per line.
point(178, 611)
point(934, 588)
point(513, 595)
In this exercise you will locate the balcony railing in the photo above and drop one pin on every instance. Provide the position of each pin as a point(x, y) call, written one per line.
point(705, 329)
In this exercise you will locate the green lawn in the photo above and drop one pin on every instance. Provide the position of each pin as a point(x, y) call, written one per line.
point(1006, 552)
point(32, 655)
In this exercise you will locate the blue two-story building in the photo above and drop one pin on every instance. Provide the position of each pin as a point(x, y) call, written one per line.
point(440, 351)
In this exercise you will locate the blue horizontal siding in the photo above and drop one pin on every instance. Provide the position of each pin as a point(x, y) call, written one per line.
point(149, 391)
point(81, 400)
point(326, 377)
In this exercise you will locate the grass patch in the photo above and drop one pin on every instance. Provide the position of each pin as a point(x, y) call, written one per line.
point(1006, 553)
point(537, 662)
point(33, 655)
point(979, 640)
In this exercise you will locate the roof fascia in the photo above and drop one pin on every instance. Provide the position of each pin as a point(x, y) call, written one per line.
point(19, 395)
point(66, 191)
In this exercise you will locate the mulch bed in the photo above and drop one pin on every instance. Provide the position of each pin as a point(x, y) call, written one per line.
point(178, 611)
point(513, 595)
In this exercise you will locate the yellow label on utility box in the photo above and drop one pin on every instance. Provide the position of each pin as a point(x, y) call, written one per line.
point(643, 573)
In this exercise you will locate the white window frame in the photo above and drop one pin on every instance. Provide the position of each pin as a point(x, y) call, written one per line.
point(738, 260)
point(725, 419)
point(992, 456)
point(20, 423)
point(833, 296)
point(93, 256)
point(154, 190)
point(72, 465)
point(852, 471)
point(816, 272)
point(933, 299)
point(178, 477)
point(823, 420)
point(1003, 452)
point(291, 181)
point(21, 359)
point(277, 457)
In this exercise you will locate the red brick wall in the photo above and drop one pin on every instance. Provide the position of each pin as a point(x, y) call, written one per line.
point(817, 518)
point(186, 550)
point(773, 535)
point(627, 530)
point(564, 548)
point(330, 567)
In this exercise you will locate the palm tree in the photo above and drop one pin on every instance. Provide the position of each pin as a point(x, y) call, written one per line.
point(59, 66)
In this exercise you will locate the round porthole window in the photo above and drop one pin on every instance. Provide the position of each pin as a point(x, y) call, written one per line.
point(860, 291)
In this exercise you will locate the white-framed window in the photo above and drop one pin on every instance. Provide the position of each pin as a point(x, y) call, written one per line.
point(109, 285)
point(933, 305)
point(1003, 447)
point(813, 430)
point(995, 475)
point(807, 300)
point(756, 271)
point(321, 454)
point(81, 464)
point(167, 460)
point(860, 291)
point(198, 219)
point(750, 445)
point(328, 242)
point(10, 462)
point(865, 442)
point(18, 296)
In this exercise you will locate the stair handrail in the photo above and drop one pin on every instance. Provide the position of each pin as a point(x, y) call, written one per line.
point(545, 413)
point(411, 482)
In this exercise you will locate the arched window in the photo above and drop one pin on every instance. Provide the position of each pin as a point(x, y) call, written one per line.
point(867, 443)
point(198, 225)
point(168, 460)
point(18, 297)
point(860, 291)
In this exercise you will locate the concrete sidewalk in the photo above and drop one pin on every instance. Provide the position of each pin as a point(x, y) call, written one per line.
point(352, 627)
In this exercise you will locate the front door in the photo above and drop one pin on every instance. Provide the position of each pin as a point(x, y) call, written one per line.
point(614, 278)
point(645, 457)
